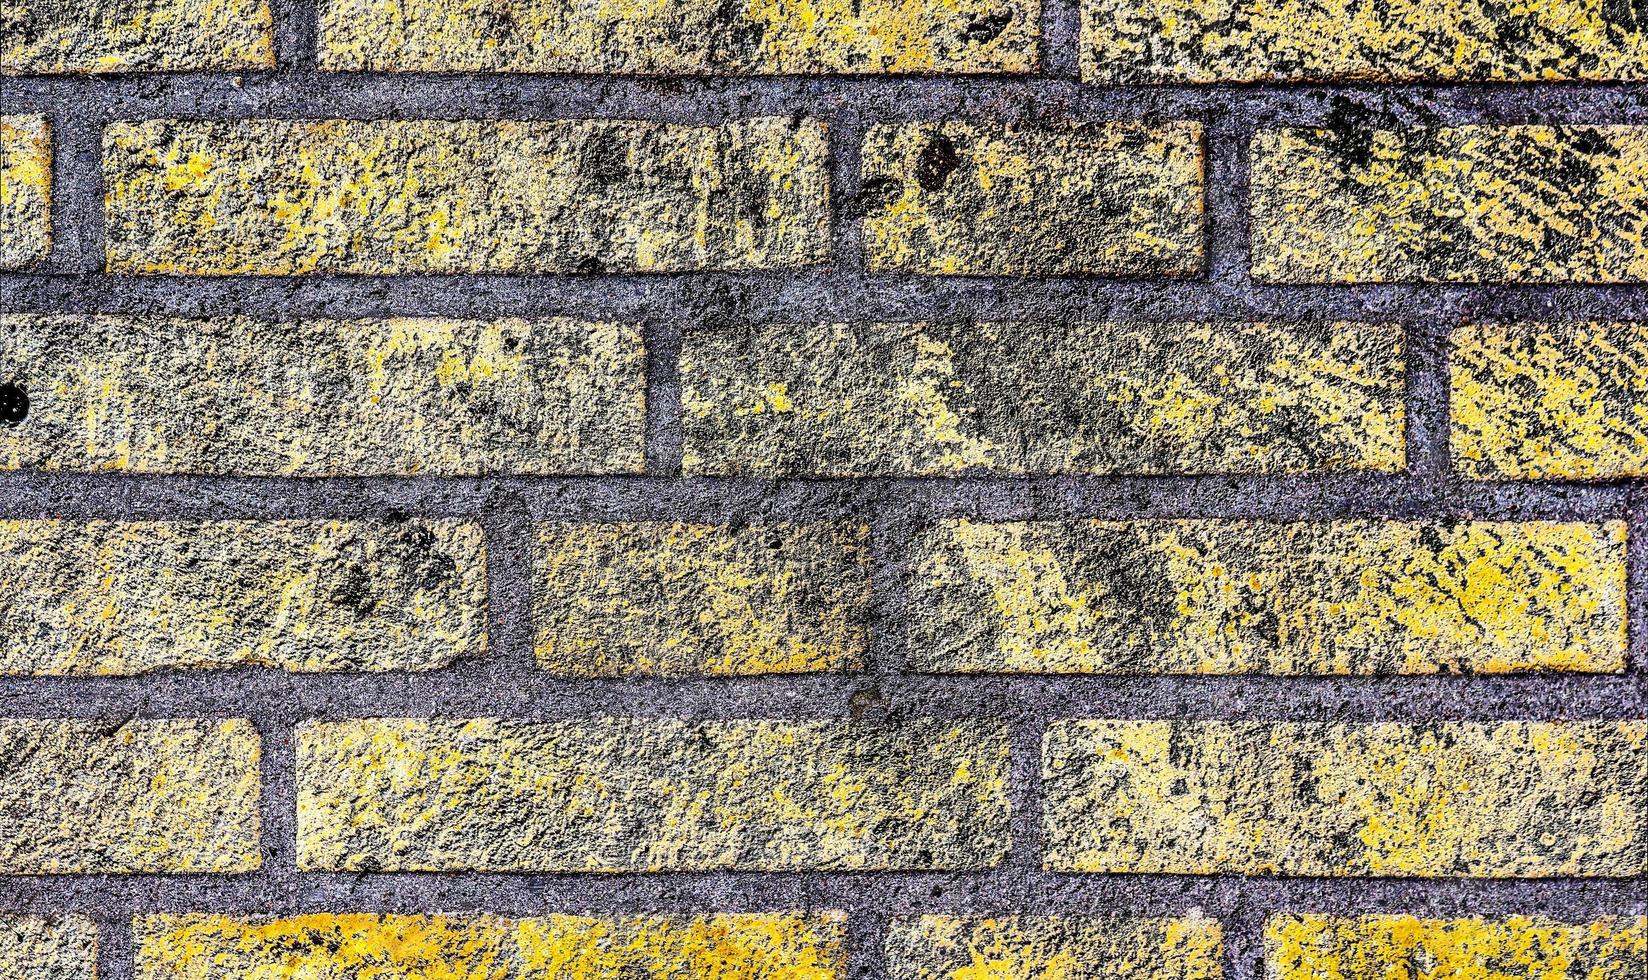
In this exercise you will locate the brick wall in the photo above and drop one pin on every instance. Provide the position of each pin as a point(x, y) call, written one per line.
point(969, 489)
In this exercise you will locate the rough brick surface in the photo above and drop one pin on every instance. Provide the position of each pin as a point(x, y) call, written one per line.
point(25, 190)
point(649, 795)
point(274, 197)
point(939, 947)
point(38, 948)
point(324, 397)
point(769, 946)
point(85, 36)
point(1173, 41)
point(136, 597)
point(1550, 401)
point(1222, 597)
point(152, 796)
point(1441, 799)
point(685, 599)
point(683, 37)
point(975, 199)
point(944, 399)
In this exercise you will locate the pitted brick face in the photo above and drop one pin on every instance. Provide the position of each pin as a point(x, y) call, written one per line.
point(54, 37)
point(1326, 947)
point(942, 947)
point(25, 190)
point(36, 947)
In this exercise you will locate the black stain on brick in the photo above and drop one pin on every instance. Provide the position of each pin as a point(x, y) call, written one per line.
point(989, 27)
point(938, 160)
point(14, 404)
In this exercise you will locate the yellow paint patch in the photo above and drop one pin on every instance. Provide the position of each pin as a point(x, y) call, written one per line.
point(938, 947)
point(56, 37)
point(25, 190)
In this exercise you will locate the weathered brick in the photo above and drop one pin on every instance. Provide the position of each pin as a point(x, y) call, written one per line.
point(1491, 204)
point(981, 199)
point(1232, 597)
point(682, 599)
point(620, 794)
point(1178, 41)
point(324, 397)
point(52, 37)
point(1323, 947)
point(37, 948)
point(280, 197)
point(133, 597)
point(774, 946)
point(25, 190)
point(1559, 400)
point(149, 796)
point(942, 399)
point(940, 947)
point(683, 37)
point(1440, 799)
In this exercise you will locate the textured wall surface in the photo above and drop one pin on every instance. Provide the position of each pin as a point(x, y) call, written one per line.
point(823, 489)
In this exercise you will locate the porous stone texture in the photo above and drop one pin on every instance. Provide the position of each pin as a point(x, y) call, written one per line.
point(682, 37)
point(942, 947)
point(973, 198)
point(1325, 947)
point(1438, 799)
point(648, 795)
point(379, 197)
point(1550, 401)
point(697, 599)
point(25, 190)
point(99, 36)
point(1131, 42)
point(400, 396)
point(152, 796)
point(122, 598)
point(932, 399)
point(1491, 204)
point(777, 946)
point(1227, 597)
point(35, 947)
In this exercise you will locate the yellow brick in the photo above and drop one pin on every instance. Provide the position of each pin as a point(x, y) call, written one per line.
point(1323, 947)
point(1177, 41)
point(981, 199)
point(935, 399)
point(324, 397)
point(394, 794)
point(276, 197)
point(1550, 400)
point(1235, 597)
point(682, 599)
point(776, 946)
point(1440, 799)
point(938, 947)
point(148, 796)
point(54, 37)
point(682, 37)
point(25, 190)
point(36, 948)
point(130, 598)
point(1490, 204)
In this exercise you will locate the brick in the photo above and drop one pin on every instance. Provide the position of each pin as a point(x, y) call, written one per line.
point(1550, 400)
point(776, 946)
point(644, 795)
point(149, 796)
point(940, 947)
point(1129, 42)
point(1325, 947)
point(1440, 799)
point(392, 397)
point(25, 190)
point(981, 199)
point(1489, 204)
point(1236, 597)
point(38, 948)
point(279, 197)
point(56, 37)
point(699, 599)
point(935, 399)
point(683, 37)
point(125, 598)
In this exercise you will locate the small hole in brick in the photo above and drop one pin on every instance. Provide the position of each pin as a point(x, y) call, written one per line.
point(14, 405)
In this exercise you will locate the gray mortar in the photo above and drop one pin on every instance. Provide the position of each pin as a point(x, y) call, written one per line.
point(507, 682)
